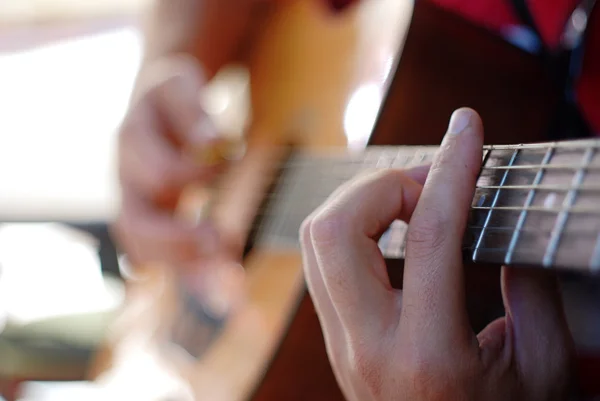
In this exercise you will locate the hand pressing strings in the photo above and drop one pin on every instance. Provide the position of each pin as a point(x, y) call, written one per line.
point(417, 343)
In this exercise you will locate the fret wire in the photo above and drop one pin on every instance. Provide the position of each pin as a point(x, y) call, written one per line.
point(523, 215)
point(486, 154)
point(494, 201)
point(561, 220)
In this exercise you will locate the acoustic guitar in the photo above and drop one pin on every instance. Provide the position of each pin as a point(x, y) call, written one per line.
point(304, 67)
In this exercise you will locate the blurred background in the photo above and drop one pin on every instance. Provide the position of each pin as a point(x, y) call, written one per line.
point(66, 72)
point(67, 68)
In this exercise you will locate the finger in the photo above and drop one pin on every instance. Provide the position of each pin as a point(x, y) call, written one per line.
point(493, 342)
point(419, 173)
point(328, 317)
point(542, 343)
point(348, 257)
point(433, 296)
point(150, 235)
point(176, 95)
point(151, 164)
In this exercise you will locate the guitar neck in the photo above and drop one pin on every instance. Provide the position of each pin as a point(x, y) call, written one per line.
point(536, 205)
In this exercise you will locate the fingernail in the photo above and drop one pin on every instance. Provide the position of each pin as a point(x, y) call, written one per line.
point(459, 121)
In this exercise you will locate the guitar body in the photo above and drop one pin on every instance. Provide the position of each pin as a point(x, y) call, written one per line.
point(306, 67)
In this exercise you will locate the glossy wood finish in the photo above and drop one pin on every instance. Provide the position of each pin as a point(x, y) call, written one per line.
point(447, 63)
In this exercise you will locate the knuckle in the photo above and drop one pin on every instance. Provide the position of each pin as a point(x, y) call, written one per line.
point(327, 227)
point(305, 227)
point(427, 232)
point(419, 373)
point(366, 366)
point(427, 379)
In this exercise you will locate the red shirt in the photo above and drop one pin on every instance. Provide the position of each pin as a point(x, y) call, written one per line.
point(550, 17)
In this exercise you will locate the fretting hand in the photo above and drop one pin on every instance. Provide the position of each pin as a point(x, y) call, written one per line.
point(417, 343)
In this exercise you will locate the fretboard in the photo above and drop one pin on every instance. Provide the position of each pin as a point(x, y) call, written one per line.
point(536, 205)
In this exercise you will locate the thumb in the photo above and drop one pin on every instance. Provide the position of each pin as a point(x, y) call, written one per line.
point(542, 344)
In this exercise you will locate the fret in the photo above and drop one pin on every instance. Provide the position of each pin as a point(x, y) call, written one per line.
point(569, 202)
point(528, 201)
point(486, 154)
point(494, 202)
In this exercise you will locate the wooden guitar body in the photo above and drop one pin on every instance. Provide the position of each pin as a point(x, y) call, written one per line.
point(306, 68)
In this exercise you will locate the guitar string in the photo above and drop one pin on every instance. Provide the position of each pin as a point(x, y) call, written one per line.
point(594, 211)
point(546, 187)
point(274, 194)
point(567, 209)
point(402, 153)
point(409, 152)
point(531, 230)
point(351, 161)
point(543, 187)
point(315, 162)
